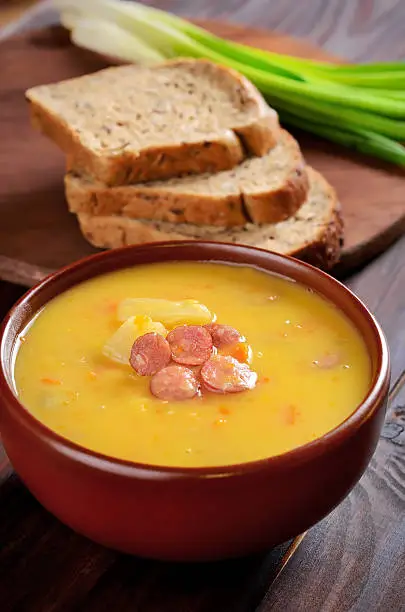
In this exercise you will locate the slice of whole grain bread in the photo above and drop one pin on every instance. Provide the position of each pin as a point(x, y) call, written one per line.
point(131, 124)
point(314, 233)
point(263, 189)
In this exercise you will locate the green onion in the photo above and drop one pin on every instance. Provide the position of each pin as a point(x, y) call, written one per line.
point(349, 118)
point(360, 106)
point(360, 140)
point(387, 80)
point(109, 39)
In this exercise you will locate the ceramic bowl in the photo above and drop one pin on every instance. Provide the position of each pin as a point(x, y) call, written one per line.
point(191, 513)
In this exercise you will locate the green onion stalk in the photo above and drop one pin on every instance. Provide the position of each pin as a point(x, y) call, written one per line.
point(360, 106)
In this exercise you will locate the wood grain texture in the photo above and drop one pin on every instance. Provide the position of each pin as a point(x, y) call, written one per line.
point(351, 561)
point(36, 230)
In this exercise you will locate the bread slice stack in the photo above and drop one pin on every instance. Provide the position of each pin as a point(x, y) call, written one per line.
point(185, 150)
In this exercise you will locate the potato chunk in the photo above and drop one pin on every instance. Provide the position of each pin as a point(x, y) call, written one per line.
point(169, 313)
point(118, 346)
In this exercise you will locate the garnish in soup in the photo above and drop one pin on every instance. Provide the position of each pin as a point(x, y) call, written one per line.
point(192, 345)
point(218, 365)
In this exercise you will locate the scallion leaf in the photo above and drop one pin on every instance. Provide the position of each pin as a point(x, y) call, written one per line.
point(361, 106)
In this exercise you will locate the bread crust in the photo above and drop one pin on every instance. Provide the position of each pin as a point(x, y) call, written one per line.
point(322, 248)
point(265, 207)
point(270, 201)
point(325, 251)
point(124, 166)
point(155, 204)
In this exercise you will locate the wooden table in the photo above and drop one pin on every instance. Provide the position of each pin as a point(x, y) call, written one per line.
point(352, 560)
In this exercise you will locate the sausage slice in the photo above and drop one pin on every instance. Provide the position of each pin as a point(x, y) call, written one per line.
point(190, 344)
point(223, 335)
point(174, 383)
point(224, 374)
point(149, 354)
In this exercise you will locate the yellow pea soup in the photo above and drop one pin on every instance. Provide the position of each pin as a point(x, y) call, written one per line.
point(312, 365)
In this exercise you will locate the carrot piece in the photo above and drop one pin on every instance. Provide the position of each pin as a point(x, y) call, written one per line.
point(239, 351)
point(51, 381)
point(224, 410)
point(110, 307)
point(291, 414)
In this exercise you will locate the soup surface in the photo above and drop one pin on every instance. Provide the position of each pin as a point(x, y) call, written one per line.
point(312, 369)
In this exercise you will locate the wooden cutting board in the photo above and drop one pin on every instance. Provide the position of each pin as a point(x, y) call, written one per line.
point(38, 235)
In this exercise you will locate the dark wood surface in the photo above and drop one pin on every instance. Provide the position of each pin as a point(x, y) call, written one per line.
point(354, 559)
point(38, 234)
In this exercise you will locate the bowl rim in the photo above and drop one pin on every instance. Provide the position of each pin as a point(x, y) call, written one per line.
point(378, 387)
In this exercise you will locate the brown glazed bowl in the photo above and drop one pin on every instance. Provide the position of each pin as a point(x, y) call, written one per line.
point(191, 513)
